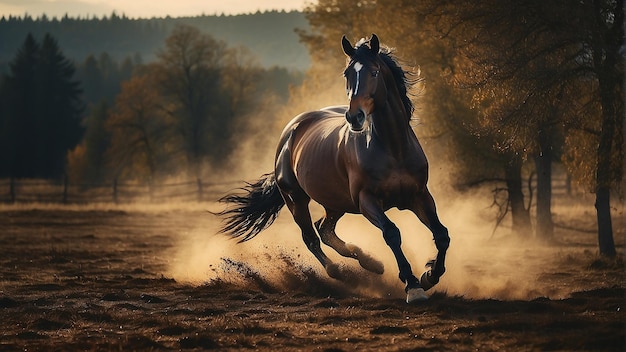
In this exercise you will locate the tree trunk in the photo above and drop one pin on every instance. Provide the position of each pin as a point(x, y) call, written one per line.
point(603, 181)
point(609, 66)
point(543, 164)
point(521, 217)
point(605, 225)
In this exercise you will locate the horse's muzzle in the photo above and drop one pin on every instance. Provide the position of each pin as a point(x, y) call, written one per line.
point(356, 121)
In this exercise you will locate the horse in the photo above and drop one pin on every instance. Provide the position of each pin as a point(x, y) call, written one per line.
point(362, 158)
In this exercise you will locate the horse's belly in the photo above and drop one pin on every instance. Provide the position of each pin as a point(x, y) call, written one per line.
point(325, 184)
point(338, 199)
point(323, 178)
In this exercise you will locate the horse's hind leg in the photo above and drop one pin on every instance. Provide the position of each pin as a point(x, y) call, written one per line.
point(297, 201)
point(326, 229)
point(426, 211)
point(299, 207)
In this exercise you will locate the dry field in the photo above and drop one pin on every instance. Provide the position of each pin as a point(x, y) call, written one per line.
point(157, 278)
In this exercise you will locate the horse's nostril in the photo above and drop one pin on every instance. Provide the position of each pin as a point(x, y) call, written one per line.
point(358, 118)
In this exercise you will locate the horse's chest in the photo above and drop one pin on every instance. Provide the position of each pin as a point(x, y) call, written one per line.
point(398, 188)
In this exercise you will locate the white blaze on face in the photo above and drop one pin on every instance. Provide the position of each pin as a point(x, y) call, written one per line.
point(357, 67)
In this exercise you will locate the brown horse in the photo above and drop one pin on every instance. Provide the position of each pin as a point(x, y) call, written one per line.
point(362, 158)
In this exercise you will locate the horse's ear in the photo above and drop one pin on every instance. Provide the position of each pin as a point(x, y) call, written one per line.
point(374, 44)
point(347, 47)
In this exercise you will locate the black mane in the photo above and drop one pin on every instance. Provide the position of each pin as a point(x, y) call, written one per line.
point(402, 78)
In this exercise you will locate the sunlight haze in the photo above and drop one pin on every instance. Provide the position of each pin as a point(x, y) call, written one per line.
point(143, 8)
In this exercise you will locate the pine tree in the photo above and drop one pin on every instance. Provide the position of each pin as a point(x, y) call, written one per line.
point(61, 105)
point(41, 111)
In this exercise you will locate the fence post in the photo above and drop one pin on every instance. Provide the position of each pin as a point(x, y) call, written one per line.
point(115, 190)
point(200, 191)
point(65, 186)
point(12, 189)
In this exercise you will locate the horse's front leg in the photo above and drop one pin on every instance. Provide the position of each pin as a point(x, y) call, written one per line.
point(372, 210)
point(424, 208)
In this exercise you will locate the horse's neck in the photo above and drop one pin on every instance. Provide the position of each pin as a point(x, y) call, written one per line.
point(391, 126)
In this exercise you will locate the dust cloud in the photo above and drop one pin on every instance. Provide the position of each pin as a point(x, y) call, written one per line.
point(278, 260)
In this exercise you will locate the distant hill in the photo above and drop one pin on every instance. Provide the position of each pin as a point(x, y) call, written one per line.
point(270, 35)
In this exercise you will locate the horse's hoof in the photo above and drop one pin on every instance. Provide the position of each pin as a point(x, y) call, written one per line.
point(427, 281)
point(333, 271)
point(414, 295)
point(366, 261)
point(370, 264)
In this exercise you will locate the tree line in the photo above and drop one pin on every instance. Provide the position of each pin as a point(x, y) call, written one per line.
point(131, 121)
point(510, 87)
point(269, 35)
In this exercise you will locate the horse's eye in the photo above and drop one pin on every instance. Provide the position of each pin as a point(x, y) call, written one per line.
point(375, 73)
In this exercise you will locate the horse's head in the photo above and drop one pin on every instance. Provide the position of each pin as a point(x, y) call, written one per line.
point(364, 83)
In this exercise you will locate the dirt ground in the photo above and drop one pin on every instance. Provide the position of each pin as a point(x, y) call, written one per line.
point(91, 278)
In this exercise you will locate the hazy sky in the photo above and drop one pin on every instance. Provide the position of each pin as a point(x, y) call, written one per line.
point(143, 8)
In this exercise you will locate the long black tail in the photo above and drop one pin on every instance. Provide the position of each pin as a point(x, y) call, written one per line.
point(253, 211)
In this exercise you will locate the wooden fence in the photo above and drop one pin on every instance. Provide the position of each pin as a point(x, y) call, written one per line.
point(62, 191)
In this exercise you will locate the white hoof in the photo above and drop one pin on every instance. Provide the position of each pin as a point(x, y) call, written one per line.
point(416, 295)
